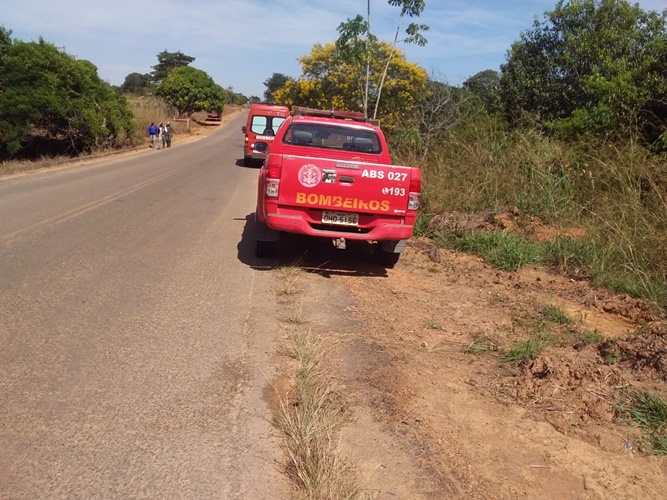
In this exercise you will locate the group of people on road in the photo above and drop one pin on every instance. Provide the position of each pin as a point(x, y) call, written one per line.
point(160, 135)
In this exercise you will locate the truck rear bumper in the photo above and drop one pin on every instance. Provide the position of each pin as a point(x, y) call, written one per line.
point(376, 229)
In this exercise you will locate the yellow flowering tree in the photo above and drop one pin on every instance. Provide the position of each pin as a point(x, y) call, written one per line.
point(329, 82)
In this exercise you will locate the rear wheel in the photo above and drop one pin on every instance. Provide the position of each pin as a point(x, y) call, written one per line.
point(387, 259)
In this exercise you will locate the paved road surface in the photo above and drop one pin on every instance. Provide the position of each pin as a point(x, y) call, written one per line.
point(135, 333)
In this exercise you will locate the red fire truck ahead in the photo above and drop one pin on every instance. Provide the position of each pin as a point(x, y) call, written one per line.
point(260, 130)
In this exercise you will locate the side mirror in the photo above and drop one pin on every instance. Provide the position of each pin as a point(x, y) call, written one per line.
point(243, 129)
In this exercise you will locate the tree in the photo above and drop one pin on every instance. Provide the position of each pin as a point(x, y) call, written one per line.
point(327, 82)
point(5, 44)
point(168, 61)
point(441, 109)
point(486, 86)
point(190, 90)
point(591, 67)
point(235, 97)
point(356, 40)
point(50, 97)
point(275, 82)
point(136, 83)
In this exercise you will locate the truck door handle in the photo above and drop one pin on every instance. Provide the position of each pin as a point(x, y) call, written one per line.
point(345, 178)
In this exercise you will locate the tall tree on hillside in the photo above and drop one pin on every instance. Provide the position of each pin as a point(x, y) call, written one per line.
point(328, 82)
point(136, 83)
point(357, 43)
point(51, 96)
point(235, 97)
point(275, 82)
point(5, 43)
point(486, 86)
point(591, 67)
point(167, 61)
point(190, 90)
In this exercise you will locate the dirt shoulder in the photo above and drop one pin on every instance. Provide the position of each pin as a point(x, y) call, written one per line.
point(430, 420)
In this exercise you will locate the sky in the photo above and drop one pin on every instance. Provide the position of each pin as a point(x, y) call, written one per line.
point(241, 43)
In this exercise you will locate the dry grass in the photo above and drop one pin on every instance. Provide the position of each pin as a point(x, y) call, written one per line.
point(310, 421)
point(616, 193)
point(289, 277)
point(311, 415)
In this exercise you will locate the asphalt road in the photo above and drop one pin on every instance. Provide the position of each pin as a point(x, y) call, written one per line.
point(136, 330)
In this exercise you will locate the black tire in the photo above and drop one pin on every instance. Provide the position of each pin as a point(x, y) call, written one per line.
point(382, 257)
point(247, 161)
point(264, 249)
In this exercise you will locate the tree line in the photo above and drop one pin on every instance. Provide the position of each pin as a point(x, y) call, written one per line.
point(588, 69)
point(54, 104)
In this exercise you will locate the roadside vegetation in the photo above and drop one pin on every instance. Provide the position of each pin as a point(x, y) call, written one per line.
point(312, 412)
point(55, 107)
point(647, 411)
point(587, 155)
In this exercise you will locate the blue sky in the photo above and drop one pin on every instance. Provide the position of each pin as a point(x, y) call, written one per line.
point(241, 43)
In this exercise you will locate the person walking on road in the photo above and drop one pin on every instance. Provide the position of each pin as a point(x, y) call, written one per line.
point(167, 135)
point(153, 133)
point(160, 137)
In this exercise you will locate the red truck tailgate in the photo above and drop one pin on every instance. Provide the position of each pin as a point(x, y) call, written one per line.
point(344, 186)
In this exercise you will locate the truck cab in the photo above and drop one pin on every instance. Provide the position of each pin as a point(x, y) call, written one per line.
point(264, 120)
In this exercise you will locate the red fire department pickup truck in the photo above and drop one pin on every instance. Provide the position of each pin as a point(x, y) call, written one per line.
point(329, 174)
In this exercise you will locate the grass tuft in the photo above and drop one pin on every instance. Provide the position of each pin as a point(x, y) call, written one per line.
point(528, 349)
point(289, 278)
point(590, 337)
point(477, 349)
point(310, 420)
point(556, 315)
point(431, 324)
point(647, 411)
point(481, 344)
point(503, 250)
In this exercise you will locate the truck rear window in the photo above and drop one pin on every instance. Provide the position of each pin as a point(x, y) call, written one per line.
point(333, 137)
point(265, 125)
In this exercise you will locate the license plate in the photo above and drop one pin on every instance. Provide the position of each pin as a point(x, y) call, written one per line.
point(340, 218)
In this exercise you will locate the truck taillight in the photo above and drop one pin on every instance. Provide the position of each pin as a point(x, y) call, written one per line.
point(272, 188)
point(415, 190)
point(273, 172)
point(413, 201)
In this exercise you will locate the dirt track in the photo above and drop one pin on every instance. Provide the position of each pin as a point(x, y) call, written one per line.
point(431, 421)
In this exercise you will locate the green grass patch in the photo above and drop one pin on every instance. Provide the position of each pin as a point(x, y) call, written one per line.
point(556, 315)
point(647, 411)
point(421, 224)
point(528, 349)
point(505, 251)
point(589, 337)
point(574, 257)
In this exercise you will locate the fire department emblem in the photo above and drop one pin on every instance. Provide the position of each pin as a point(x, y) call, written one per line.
point(309, 175)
